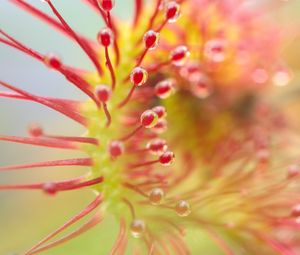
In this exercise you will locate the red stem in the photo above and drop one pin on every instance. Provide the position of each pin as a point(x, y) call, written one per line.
point(88, 140)
point(44, 17)
point(58, 186)
point(144, 164)
point(107, 114)
point(162, 26)
point(126, 100)
point(120, 238)
point(141, 58)
point(20, 46)
point(51, 104)
point(152, 19)
point(94, 204)
point(111, 69)
point(54, 163)
point(69, 73)
point(94, 4)
point(137, 11)
point(82, 229)
point(85, 47)
point(46, 142)
point(131, 134)
point(158, 66)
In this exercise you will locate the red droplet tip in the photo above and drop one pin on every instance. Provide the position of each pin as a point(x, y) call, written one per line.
point(116, 148)
point(107, 5)
point(148, 119)
point(105, 37)
point(151, 39)
point(103, 93)
point(160, 111)
point(167, 158)
point(138, 76)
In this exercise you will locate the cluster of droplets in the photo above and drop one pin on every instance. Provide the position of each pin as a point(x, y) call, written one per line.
point(153, 119)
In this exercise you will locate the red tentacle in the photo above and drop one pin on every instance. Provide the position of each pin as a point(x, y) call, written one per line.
point(51, 104)
point(93, 205)
point(219, 241)
point(69, 72)
point(120, 238)
point(78, 139)
point(94, 221)
point(46, 142)
point(137, 11)
point(54, 163)
point(41, 186)
point(85, 47)
point(112, 25)
point(20, 46)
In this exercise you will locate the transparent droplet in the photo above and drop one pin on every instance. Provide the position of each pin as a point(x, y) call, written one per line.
point(183, 208)
point(151, 39)
point(293, 171)
point(281, 78)
point(156, 196)
point(138, 76)
point(157, 146)
point(172, 11)
point(161, 126)
point(296, 211)
point(164, 88)
point(202, 86)
point(137, 228)
point(260, 76)
point(214, 50)
point(106, 37)
point(167, 158)
point(149, 119)
point(180, 55)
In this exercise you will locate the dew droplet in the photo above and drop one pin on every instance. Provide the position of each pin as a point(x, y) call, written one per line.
point(165, 88)
point(103, 93)
point(107, 5)
point(149, 119)
point(160, 127)
point(202, 86)
point(260, 76)
point(190, 71)
point(105, 37)
point(151, 39)
point(296, 211)
point(167, 158)
point(137, 228)
point(183, 208)
point(53, 61)
point(281, 78)
point(179, 55)
point(160, 111)
point(50, 188)
point(157, 146)
point(116, 148)
point(293, 171)
point(214, 50)
point(172, 11)
point(35, 130)
point(156, 196)
point(138, 76)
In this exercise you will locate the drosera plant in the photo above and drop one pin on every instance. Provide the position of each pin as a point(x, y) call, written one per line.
point(232, 177)
point(121, 140)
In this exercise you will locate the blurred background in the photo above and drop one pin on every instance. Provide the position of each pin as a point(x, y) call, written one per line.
point(26, 216)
